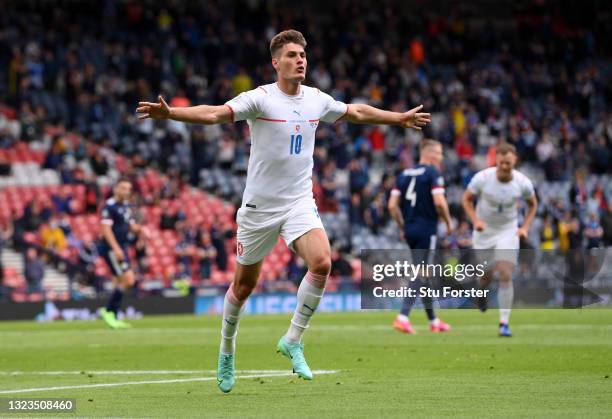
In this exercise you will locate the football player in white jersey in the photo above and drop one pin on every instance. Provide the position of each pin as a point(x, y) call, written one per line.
point(278, 200)
point(495, 222)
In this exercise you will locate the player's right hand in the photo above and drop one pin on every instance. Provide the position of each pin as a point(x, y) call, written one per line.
point(119, 255)
point(159, 110)
point(449, 229)
point(480, 225)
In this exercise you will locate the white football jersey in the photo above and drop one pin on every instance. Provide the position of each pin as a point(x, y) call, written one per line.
point(497, 201)
point(282, 142)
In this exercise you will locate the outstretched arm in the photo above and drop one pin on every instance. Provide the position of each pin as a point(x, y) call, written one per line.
point(201, 114)
point(360, 113)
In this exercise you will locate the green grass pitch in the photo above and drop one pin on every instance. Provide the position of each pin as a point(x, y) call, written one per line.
point(558, 364)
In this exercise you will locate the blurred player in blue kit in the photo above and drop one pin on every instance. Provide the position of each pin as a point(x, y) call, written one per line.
point(415, 204)
point(116, 223)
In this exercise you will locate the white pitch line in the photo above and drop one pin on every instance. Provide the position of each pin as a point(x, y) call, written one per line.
point(134, 372)
point(136, 383)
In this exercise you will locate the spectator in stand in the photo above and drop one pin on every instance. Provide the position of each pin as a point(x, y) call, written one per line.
point(548, 234)
point(329, 185)
point(340, 267)
point(34, 215)
point(358, 176)
point(92, 196)
point(172, 188)
point(56, 154)
point(296, 269)
point(140, 248)
point(219, 233)
point(168, 219)
point(593, 232)
point(601, 156)
point(575, 234)
point(62, 202)
point(357, 210)
point(5, 167)
point(184, 251)
point(563, 228)
point(34, 271)
point(99, 165)
point(52, 236)
point(206, 254)
point(376, 214)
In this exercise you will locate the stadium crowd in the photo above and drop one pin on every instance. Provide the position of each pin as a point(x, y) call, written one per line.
point(537, 75)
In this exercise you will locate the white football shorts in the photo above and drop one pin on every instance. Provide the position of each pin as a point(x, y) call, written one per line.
point(505, 242)
point(258, 231)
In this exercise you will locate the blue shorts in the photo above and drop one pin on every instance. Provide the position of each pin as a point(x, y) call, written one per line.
point(117, 268)
point(422, 247)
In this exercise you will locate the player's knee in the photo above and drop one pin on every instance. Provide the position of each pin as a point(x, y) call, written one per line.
point(320, 265)
point(242, 290)
point(505, 276)
point(128, 279)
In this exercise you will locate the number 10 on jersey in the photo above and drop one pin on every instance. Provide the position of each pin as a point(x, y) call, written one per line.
point(296, 144)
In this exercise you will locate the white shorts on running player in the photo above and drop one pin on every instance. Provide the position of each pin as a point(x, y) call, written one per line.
point(258, 231)
point(504, 241)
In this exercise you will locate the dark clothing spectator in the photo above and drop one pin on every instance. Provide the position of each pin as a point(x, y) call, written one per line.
point(340, 266)
point(34, 271)
point(206, 254)
point(92, 197)
point(594, 234)
point(167, 221)
point(99, 165)
point(62, 203)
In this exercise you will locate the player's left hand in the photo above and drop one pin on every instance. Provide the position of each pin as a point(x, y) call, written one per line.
point(415, 119)
point(159, 110)
point(523, 233)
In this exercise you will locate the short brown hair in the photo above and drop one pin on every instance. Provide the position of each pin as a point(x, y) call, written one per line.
point(286, 37)
point(505, 148)
point(123, 179)
point(428, 143)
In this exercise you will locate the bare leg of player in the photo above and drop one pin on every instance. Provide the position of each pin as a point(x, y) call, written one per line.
point(505, 296)
point(233, 305)
point(484, 283)
point(313, 247)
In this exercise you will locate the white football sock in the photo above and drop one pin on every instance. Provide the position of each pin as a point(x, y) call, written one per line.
point(309, 295)
point(505, 296)
point(232, 310)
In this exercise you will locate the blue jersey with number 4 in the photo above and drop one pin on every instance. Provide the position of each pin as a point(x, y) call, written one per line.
point(417, 186)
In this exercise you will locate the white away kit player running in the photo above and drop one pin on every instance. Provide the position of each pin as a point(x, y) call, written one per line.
point(278, 200)
point(495, 222)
